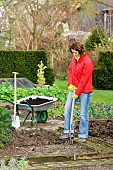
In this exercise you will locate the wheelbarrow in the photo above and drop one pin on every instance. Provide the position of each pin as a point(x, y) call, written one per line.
point(33, 107)
point(29, 104)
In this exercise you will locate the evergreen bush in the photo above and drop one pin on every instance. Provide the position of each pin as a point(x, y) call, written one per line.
point(103, 71)
point(97, 38)
point(49, 79)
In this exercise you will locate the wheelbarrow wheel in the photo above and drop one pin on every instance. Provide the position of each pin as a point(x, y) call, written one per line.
point(43, 117)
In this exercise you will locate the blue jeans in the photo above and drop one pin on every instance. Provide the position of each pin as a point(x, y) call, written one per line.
point(84, 105)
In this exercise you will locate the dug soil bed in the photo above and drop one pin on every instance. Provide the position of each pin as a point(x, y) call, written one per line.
point(37, 141)
point(44, 139)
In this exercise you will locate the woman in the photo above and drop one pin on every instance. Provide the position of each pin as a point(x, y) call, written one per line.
point(80, 81)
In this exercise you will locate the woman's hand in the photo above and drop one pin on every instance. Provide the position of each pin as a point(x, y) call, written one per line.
point(71, 87)
point(74, 96)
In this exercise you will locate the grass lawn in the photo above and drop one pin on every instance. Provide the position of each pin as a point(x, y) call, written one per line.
point(103, 96)
point(99, 96)
point(61, 84)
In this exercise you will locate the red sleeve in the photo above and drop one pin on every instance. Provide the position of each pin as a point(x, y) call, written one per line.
point(85, 77)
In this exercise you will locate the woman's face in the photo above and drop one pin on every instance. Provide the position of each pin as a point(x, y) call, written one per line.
point(75, 53)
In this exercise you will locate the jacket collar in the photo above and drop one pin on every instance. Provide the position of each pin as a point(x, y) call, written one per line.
point(82, 57)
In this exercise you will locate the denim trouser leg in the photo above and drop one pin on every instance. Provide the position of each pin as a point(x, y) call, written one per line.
point(84, 105)
point(67, 114)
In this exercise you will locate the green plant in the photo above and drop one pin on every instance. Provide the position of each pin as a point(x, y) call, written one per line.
point(40, 74)
point(102, 75)
point(49, 80)
point(6, 91)
point(100, 111)
point(103, 97)
point(97, 38)
point(52, 91)
point(14, 164)
point(95, 111)
point(5, 126)
point(22, 164)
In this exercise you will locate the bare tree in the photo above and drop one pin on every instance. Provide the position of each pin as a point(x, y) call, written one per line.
point(38, 24)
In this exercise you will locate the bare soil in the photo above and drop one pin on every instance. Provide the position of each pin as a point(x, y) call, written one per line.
point(43, 139)
point(37, 101)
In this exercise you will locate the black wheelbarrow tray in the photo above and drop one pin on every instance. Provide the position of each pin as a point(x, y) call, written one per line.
point(35, 105)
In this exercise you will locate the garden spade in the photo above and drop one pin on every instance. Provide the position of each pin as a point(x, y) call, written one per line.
point(15, 119)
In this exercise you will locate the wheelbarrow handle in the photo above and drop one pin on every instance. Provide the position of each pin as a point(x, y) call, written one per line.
point(6, 100)
point(32, 111)
point(25, 102)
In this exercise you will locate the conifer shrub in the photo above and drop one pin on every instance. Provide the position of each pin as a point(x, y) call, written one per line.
point(97, 38)
point(49, 79)
point(103, 71)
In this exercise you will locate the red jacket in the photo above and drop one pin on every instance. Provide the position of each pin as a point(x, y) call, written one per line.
point(80, 74)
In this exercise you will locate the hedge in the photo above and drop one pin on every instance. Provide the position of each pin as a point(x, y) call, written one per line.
point(25, 63)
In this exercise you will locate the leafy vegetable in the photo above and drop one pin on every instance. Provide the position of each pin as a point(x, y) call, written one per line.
point(5, 126)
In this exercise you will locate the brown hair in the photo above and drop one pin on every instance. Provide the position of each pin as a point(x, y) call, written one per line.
point(78, 46)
